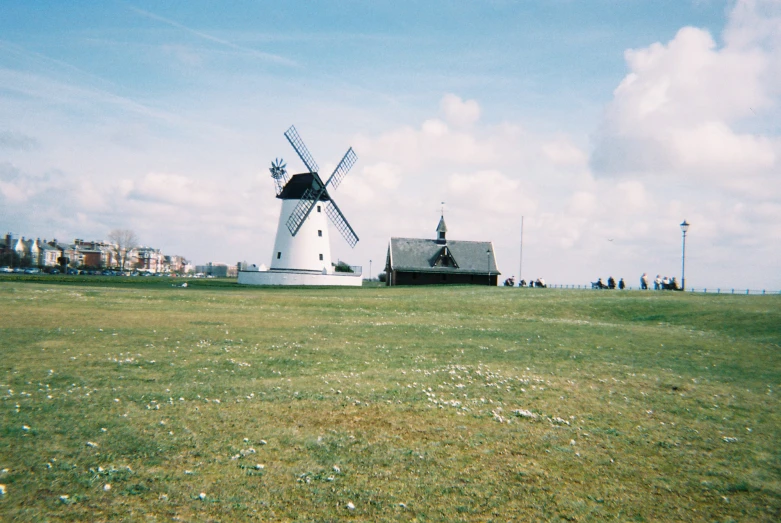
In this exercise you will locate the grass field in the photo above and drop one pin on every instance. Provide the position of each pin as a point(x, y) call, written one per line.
point(143, 401)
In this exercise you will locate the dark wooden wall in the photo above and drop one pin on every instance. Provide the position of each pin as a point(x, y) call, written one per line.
point(418, 278)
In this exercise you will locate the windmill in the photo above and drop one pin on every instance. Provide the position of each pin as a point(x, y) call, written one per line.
point(301, 242)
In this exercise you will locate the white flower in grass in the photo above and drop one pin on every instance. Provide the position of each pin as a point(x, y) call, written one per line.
point(92, 444)
point(202, 496)
point(25, 427)
point(2, 490)
point(259, 466)
point(350, 505)
point(64, 498)
point(107, 487)
point(337, 469)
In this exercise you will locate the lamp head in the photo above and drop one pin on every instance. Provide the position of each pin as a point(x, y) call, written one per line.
point(685, 226)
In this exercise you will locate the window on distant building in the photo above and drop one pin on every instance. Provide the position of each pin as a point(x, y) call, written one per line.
point(321, 257)
point(319, 232)
point(279, 255)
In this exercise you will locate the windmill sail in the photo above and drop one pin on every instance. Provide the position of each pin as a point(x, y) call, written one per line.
point(339, 221)
point(342, 169)
point(305, 205)
point(317, 191)
point(303, 153)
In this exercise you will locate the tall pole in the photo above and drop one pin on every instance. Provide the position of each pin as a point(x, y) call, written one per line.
point(683, 263)
point(684, 229)
point(520, 267)
point(370, 270)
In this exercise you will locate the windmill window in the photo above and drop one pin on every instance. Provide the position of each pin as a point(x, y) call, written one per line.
point(279, 255)
point(318, 208)
point(321, 257)
point(319, 232)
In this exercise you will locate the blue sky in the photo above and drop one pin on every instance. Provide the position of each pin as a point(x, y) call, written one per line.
point(594, 120)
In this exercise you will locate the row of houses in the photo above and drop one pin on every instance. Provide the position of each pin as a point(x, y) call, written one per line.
point(26, 252)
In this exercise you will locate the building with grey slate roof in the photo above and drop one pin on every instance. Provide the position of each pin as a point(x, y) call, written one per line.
point(415, 261)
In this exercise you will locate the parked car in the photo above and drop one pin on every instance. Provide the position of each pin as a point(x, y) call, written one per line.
point(32, 270)
point(6, 269)
point(54, 271)
point(73, 271)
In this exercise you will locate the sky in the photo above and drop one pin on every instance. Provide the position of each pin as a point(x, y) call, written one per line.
point(601, 125)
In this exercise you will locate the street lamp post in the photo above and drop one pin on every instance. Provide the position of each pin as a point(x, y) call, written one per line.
point(684, 228)
point(370, 270)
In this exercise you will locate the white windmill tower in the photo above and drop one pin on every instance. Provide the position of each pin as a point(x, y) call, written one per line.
point(302, 252)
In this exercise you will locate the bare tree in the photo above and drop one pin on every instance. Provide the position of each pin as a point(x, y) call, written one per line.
point(122, 241)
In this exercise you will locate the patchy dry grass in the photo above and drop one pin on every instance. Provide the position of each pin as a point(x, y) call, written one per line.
point(412, 404)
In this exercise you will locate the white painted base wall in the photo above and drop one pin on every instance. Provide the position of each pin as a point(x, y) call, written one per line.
point(299, 278)
point(304, 250)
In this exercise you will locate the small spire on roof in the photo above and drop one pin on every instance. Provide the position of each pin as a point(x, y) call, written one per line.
point(441, 229)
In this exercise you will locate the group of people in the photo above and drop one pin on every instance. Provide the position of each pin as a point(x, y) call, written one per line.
point(510, 282)
point(660, 283)
point(611, 284)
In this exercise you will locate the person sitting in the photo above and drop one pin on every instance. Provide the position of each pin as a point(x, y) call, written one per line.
point(621, 284)
point(674, 285)
point(541, 282)
point(611, 283)
point(665, 283)
point(599, 284)
point(510, 282)
point(644, 282)
point(522, 283)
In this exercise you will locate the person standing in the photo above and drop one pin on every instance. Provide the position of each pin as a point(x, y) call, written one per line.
point(621, 284)
point(658, 283)
point(644, 282)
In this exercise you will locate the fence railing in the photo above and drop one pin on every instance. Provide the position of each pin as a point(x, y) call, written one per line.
point(703, 290)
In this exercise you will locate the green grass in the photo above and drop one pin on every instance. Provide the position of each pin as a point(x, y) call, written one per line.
point(646, 406)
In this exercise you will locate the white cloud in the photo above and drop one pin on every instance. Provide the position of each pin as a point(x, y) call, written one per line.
point(689, 108)
point(459, 112)
point(177, 190)
point(487, 191)
point(564, 153)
